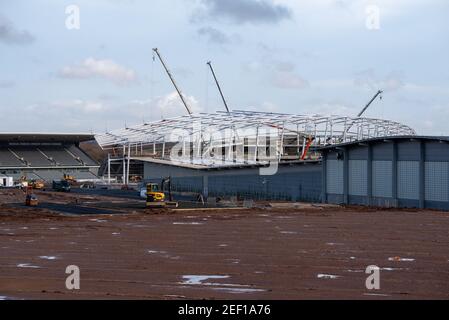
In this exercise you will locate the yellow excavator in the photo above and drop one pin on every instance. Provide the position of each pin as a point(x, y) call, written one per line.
point(156, 196)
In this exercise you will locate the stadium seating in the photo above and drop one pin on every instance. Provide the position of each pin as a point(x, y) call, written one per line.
point(7, 159)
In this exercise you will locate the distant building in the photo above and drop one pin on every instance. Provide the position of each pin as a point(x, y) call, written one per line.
point(45, 156)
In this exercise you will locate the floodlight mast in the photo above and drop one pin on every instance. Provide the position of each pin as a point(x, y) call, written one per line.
point(218, 85)
point(173, 81)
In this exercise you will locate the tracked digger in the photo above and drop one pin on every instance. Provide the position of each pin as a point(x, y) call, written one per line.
point(155, 195)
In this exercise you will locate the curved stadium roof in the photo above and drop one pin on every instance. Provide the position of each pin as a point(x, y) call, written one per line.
point(222, 126)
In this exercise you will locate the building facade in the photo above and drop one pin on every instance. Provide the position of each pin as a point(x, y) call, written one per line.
point(410, 172)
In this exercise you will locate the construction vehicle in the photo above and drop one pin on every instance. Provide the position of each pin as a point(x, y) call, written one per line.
point(30, 198)
point(69, 178)
point(62, 185)
point(310, 140)
point(155, 195)
point(37, 184)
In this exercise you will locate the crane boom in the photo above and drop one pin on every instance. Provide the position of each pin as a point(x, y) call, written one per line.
point(363, 110)
point(218, 86)
point(369, 103)
point(173, 81)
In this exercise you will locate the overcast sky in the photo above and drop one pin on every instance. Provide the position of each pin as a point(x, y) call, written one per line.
point(291, 56)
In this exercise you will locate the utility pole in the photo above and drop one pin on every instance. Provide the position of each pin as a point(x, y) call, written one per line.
point(173, 81)
point(218, 86)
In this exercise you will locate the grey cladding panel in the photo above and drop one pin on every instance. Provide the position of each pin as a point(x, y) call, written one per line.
point(436, 151)
point(436, 181)
point(334, 176)
point(358, 153)
point(358, 181)
point(382, 179)
point(408, 180)
point(383, 151)
point(408, 151)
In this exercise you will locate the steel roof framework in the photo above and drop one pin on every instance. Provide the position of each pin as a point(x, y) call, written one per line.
point(207, 130)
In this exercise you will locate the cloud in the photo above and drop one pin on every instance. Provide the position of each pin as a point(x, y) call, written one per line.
point(106, 69)
point(167, 106)
point(368, 78)
point(9, 34)
point(243, 11)
point(288, 80)
point(77, 115)
point(214, 36)
point(5, 84)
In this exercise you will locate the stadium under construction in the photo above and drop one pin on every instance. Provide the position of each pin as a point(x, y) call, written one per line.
point(252, 155)
point(259, 155)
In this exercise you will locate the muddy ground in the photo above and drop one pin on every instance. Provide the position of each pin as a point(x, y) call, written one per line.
point(127, 252)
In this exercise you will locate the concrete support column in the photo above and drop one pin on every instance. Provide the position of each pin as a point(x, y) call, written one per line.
point(369, 175)
point(205, 187)
point(346, 176)
point(109, 168)
point(127, 165)
point(422, 177)
point(394, 175)
point(324, 178)
point(124, 165)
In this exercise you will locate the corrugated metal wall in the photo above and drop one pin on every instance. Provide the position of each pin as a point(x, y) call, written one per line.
point(437, 182)
point(334, 176)
point(408, 180)
point(358, 180)
point(399, 172)
point(382, 181)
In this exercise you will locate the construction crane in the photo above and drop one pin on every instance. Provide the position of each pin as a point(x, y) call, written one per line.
point(371, 101)
point(173, 81)
point(218, 85)
point(378, 93)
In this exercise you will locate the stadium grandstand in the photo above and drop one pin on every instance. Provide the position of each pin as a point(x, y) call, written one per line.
point(46, 156)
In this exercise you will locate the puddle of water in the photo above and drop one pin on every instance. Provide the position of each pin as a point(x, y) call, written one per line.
point(163, 254)
point(233, 261)
point(115, 233)
point(223, 245)
point(53, 228)
point(357, 271)
point(4, 298)
point(239, 290)
point(401, 259)
point(289, 232)
point(326, 276)
point(24, 228)
point(48, 257)
point(27, 265)
point(352, 258)
point(229, 287)
point(98, 220)
point(392, 269)
point(154, 251)
point(377, 294)
point(191, 223)
point(198, 279)
point(334, 244)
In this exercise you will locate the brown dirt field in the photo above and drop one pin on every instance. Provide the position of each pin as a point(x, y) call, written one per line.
point(259, 253)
